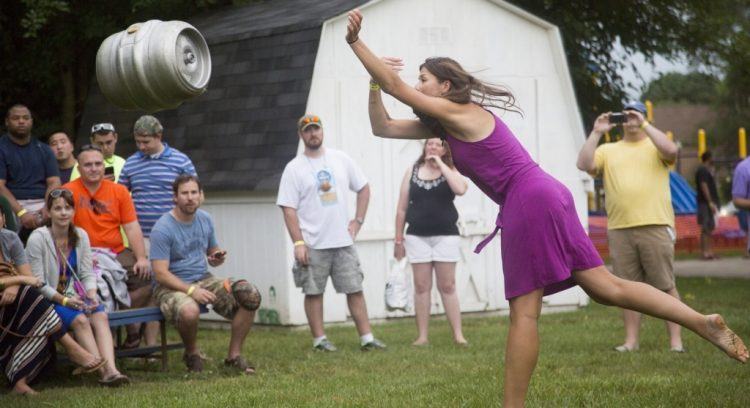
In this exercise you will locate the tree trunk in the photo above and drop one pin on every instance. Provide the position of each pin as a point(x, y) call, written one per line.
point(68, 107)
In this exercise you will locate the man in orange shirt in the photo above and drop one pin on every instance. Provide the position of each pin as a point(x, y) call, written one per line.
point(101, 208)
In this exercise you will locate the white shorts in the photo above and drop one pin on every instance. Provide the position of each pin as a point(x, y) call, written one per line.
point(437, 248)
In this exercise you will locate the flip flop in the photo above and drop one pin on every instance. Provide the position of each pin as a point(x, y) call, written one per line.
point(116, 380)
point(90, 368)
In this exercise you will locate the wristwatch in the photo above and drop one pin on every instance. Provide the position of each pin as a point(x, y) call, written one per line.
point(360, 221)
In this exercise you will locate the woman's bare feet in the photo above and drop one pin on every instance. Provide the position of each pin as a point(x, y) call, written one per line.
point(22, 388)
point(420, 342)
point(725, 339)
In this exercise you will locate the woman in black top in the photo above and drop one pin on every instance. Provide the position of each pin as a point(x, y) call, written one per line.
point(432, 241)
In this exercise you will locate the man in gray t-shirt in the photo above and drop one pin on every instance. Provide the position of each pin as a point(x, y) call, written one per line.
point(183, 245)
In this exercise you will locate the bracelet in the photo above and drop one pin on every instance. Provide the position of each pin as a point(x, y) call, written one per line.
point(65, 301)
point(374, 86)
point(190, 290)
point(644, 124)
point(299, 243)
point(360, 221)
point(352, 42)
point(21, 212)
point(398, 241)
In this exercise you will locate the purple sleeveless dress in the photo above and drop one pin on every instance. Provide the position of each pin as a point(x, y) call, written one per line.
point(542, 240)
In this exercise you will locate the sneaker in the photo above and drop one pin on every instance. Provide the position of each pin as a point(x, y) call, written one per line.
point(375, 344)
point(325, 345)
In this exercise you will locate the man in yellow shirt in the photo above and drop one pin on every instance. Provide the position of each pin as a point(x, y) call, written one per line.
point(105, 136)
point(639, 207)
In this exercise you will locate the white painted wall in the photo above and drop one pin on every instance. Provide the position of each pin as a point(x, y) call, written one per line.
point(499, 42)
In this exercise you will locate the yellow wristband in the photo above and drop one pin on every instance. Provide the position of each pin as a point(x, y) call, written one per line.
point(190, 290)
point(644, 124)
point(21, 213)
point(374, 86)
point(299, 243)
point(65, 301)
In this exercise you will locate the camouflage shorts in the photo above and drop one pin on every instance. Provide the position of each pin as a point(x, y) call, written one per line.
point(171, 301)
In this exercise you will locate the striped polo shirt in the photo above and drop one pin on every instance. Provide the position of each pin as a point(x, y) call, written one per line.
point(149, 180)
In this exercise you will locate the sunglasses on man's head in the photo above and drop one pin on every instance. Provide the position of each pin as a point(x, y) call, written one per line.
point(89, 147)
point(102, 127)
point(313, 119)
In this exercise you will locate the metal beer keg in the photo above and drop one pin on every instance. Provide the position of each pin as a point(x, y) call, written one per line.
point(153, 66)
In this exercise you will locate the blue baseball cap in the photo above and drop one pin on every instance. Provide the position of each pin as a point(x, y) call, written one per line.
point(636, 106)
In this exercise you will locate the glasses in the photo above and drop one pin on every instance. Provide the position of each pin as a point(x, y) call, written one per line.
point(59, 192)
point(102, 127)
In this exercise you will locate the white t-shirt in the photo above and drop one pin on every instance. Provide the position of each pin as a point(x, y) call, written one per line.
point(316, 188)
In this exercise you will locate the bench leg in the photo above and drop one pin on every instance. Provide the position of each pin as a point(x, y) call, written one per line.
point(163, 330)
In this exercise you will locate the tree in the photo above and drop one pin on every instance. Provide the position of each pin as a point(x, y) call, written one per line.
point(590, 29)
point(693, 88)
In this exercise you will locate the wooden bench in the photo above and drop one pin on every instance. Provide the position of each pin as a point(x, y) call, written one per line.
point(121, 318)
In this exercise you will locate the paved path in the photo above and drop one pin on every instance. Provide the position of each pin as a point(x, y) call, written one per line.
point(734, 267)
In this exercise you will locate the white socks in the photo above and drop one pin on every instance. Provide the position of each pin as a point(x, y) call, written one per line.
point(366, 338)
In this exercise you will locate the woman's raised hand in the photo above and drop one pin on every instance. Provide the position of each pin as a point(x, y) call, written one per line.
point(353, 27)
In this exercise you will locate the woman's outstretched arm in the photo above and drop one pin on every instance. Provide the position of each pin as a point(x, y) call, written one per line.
point(382, 124)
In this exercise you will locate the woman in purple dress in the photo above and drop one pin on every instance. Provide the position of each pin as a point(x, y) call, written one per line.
point(544, 247)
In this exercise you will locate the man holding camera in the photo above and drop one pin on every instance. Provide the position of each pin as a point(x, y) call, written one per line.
point(639, 206)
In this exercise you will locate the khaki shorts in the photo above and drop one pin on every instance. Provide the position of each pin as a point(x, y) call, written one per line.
point(644, 254)
point(171, 301)
point(341, 264)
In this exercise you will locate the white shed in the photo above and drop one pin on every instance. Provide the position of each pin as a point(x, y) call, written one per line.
point(274, 61)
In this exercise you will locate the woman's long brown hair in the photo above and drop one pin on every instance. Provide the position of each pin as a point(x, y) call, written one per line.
point(465, 88)
point(72, 233)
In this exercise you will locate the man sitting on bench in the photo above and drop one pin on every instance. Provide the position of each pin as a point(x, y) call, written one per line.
point(182, 240)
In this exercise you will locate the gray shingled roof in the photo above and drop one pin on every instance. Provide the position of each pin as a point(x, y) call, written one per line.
point(241, 133)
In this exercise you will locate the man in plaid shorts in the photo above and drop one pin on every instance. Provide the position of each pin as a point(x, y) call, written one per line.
point(183, 244)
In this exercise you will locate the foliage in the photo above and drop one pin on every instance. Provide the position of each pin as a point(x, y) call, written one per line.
point(48, 46)
point(577, 367)
point(692, 88)
point(590, 30)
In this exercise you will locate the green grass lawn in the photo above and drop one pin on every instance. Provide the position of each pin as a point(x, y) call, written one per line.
point(577, 366)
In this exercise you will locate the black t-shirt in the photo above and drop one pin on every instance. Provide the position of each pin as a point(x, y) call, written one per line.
point(431, 210)
point(703, 175)
point(26, 168)
point(65, 175)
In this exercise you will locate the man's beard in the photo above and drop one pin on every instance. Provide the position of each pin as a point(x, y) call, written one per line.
point(314, 147)
point(185, 209)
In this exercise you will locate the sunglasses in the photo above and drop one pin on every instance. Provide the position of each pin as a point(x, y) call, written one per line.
point(98, 207)
point(102, 127)
point(59, 192)
point(89, 147)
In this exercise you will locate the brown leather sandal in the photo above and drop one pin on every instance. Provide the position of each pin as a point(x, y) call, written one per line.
point(240, 364)
point(194, 362)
